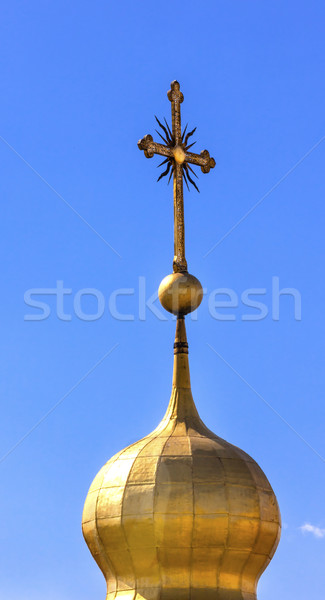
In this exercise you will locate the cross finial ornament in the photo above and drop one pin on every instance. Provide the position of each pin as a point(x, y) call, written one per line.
point(179, 161)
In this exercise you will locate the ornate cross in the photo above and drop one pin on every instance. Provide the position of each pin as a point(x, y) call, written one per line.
point(179, 160)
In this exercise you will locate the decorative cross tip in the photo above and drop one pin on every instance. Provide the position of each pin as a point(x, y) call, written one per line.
point(175, 94)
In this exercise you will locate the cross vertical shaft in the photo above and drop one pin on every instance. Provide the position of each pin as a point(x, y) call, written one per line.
point(176, 153)
point(179, 263)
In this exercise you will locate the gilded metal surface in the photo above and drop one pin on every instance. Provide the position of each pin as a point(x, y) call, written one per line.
point(178, 159)
point(182, 513)
point(180, 293)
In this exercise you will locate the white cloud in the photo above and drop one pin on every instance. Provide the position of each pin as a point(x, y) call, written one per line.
point(316, 531)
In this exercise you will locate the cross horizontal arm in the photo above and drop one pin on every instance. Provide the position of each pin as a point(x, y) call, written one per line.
point(203, 160)
point(150, 147)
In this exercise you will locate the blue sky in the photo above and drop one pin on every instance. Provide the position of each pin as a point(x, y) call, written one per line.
point(81, 83)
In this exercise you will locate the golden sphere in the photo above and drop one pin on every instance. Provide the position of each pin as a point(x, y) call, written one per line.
point(180, 293)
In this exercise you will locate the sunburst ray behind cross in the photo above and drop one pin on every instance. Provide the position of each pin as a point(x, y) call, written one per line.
point(169, 140)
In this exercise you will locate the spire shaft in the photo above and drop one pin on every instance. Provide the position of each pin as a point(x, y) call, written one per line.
point(181, 374)
point(181, 405)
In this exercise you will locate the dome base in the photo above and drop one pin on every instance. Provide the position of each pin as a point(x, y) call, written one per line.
point(181, 594)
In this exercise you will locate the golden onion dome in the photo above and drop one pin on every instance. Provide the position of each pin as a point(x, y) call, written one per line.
point(182, 513)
